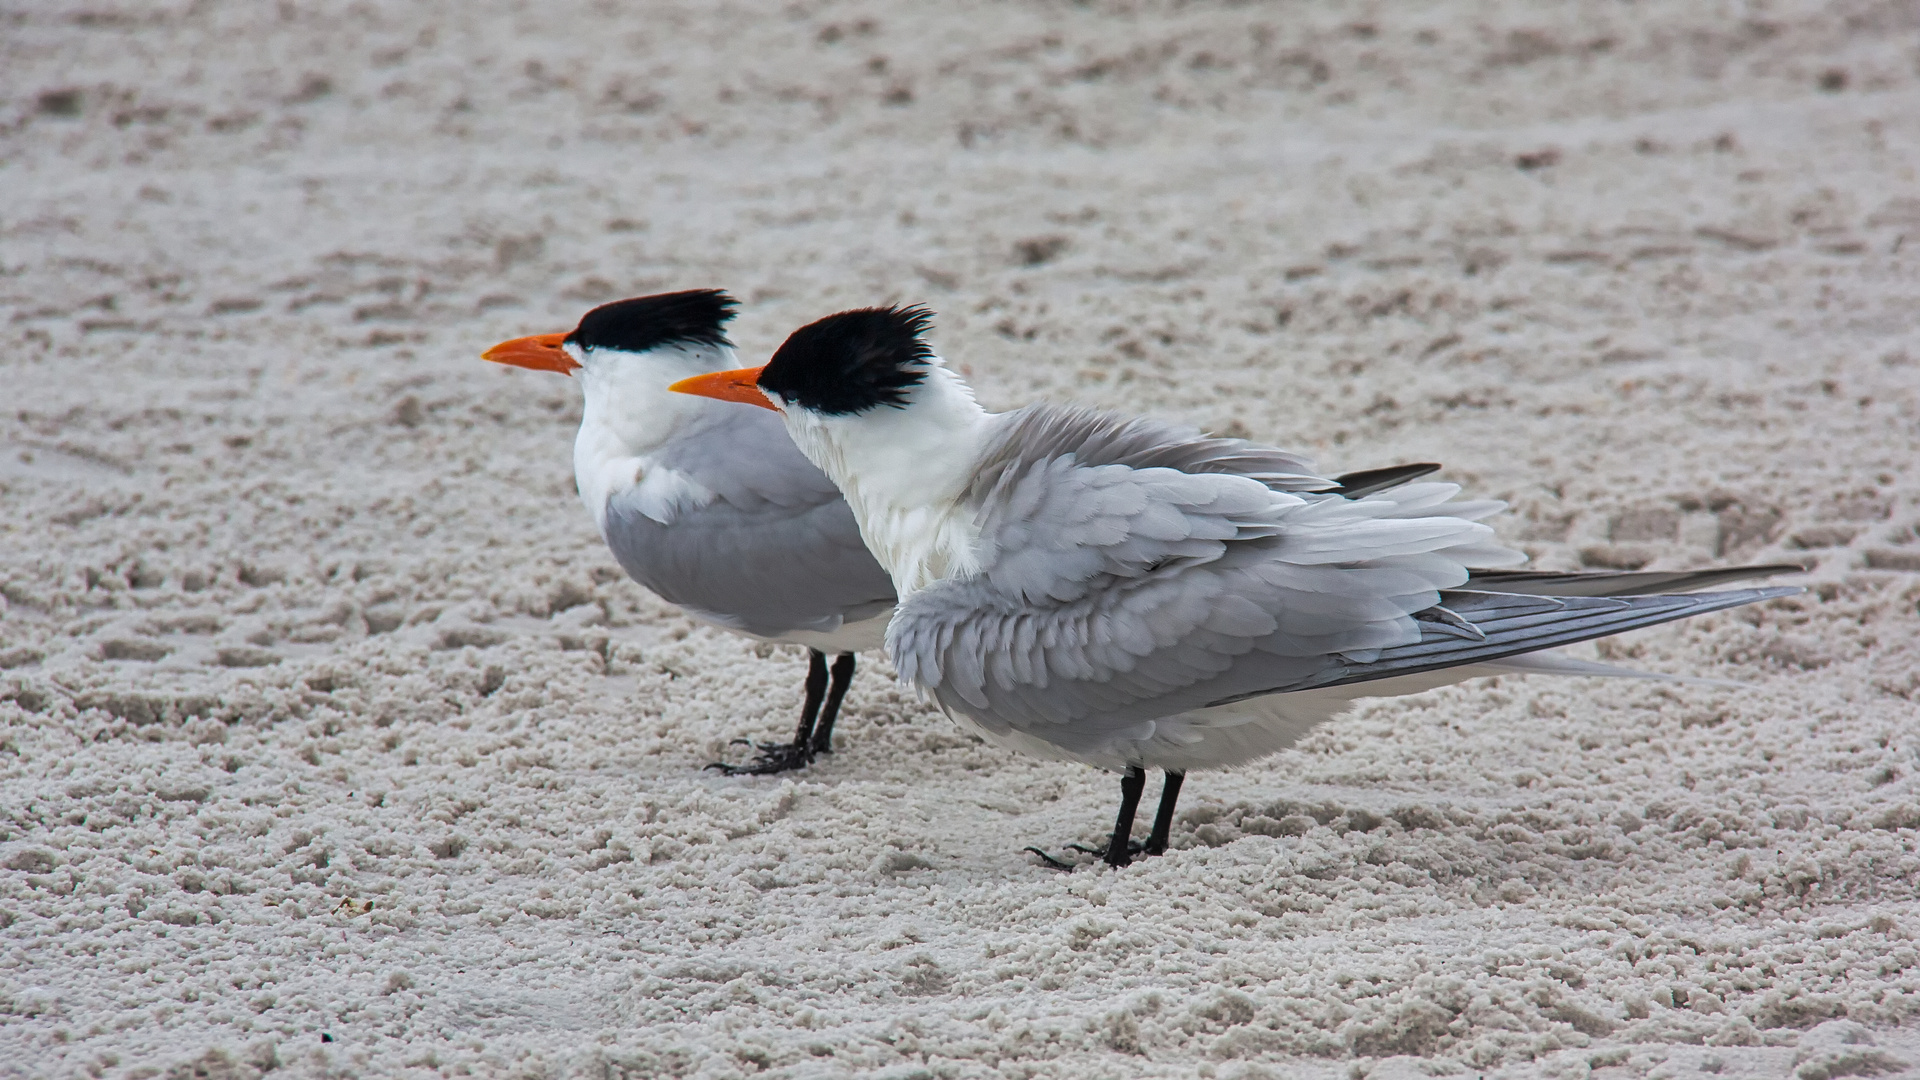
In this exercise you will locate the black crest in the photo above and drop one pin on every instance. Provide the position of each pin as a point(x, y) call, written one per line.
point(853, 361)
point(695, 317)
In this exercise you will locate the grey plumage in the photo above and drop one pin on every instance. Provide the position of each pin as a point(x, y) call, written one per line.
point(711, 506)
point(753, 538)
point(1134, 595)
point(1047, 432)
point(1137, 582)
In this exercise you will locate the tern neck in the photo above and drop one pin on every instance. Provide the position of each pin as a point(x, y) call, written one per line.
point(904, 471)
point(628, 413)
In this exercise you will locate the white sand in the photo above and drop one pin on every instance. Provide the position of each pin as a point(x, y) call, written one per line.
point(301, 614)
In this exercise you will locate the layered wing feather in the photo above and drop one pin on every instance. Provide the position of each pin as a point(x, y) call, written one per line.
point(1047, 432)
point(1115, 589)
point(752, 536)
point(1125, 581)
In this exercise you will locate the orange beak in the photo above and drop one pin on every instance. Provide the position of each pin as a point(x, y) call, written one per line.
point(740, 384)
point(541, 352)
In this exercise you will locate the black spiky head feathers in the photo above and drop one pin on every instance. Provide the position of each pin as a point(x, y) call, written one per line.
point(853, 361)
point(695, 317)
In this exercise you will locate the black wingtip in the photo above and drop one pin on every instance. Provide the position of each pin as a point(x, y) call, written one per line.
point(691, 317)
point(1618, 583)
point(1358, 485)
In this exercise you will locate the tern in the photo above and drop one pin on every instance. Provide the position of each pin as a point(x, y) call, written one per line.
point(1132, 594)
point(711, 506)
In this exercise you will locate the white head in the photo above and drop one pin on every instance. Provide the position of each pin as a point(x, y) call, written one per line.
point(625, 353)
point(868, 402)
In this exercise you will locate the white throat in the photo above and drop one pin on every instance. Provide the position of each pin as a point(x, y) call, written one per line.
point(628, 415)
point(904, 471)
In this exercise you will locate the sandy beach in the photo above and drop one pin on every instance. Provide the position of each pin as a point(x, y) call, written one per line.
point(334, 743)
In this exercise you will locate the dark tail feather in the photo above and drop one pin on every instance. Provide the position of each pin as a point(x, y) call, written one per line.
point(1358, 485)
point(1616, 583)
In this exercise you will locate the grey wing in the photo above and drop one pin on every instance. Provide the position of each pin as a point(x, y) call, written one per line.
point(1047, 432)
point(745, 456)
point(1110, 594)
point(768, 548)
point(1472, 628)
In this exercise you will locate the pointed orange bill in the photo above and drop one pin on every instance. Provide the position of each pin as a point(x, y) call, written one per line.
point(541, 352)
point(740, 384)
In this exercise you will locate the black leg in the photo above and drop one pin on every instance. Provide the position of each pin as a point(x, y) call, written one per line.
point(816, 689)
point(842, 677)
point(1163, 818)
point(782, 757)
point(1120, 848)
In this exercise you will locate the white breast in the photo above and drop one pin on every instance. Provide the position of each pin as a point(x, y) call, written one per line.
point(905, 472)
point(628, 416)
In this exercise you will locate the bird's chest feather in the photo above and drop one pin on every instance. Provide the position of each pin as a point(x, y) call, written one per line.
point(918, 545)
point(604, 469)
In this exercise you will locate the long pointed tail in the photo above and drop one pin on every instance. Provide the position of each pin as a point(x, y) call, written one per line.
point(1477, 627)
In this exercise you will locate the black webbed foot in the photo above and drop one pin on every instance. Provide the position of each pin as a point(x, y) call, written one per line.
point(772, 758)
point(1049, 861)
point(1134, 847)
point(807, 741)
point(1122, 847)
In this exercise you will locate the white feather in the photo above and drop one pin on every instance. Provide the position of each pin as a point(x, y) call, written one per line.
point(628, 415)
point(903, 470)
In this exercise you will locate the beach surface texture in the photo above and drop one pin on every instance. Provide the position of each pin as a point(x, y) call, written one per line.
point(334, 743)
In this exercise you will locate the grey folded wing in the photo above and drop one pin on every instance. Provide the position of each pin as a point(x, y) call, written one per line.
point(770, 547)
point(1047, 432)
point(1111, 592)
